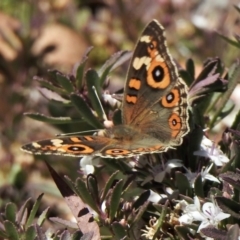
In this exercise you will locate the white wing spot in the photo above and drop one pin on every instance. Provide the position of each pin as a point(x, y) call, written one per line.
point(145, 38)
point(138, 62)
point(36, 145)
point(159, 58)
point(57, 142)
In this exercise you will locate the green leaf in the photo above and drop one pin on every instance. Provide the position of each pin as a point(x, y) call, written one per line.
point(11, 230)
point(34, 210)
point(92, 81)
point(109, 64)
point(115, 199)
point(182, 184)
point(10, 212)
point(80, 69)
point(30, 233)
point(230, 41)
point(50, 86)
point(118, 230)
point(184, 232)
point(198, 186)
point(43, 217)
point(141, 199)
point(52, 120)
point(85, 111)
point(229, 206)
point(160, 221)
point(234, 74)
point(92, 186)
point(40, 233)
point(190, 69)
point(108, 185)
point(185, 76)
point(117, 165)
point(140, 213)
point(84, 194)
point(65, 82)
point(22, 213)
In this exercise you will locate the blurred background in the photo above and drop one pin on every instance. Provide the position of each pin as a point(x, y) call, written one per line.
point(38, 35)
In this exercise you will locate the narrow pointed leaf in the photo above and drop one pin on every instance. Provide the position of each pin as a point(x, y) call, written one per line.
point(141, 199)
point(50, 86)
point(92, 80)
point(10, 212)
point(108, 185)
point(141, 211)
point(198, 186)
point(230, 41)
point(183, 232)
point(182, 183)
point(83, 192)
point(109, 64)
point(11, 230)
point(92, 185)
point(160, 220)
point(185, 76)
point(85, 111)
point(118, 230)
point(115, 199)
point(40, 233)
point(190, 68)
point(80, 69)
point(43, 217)
point(30, 233)
point(229, 206)
point(34, 211)
point(22, 210)
point(65, 82)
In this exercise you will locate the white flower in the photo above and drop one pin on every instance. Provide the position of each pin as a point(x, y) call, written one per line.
point(191, 176)
point(87, 164)
point(209, 150)
point(206, 175)
point(211, 214)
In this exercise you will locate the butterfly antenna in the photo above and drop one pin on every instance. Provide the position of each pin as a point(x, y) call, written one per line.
point(76, 133)
point(103, 112)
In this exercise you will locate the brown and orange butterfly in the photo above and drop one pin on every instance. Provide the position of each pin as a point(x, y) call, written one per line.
point(154, 109)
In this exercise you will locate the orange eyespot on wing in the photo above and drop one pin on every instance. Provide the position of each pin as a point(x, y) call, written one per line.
point(172, 99)
point(175, 124)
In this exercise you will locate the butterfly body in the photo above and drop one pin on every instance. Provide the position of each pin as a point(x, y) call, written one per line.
point(154, 111)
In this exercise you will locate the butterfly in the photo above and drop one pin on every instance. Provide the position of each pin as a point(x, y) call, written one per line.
point(154, 108)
